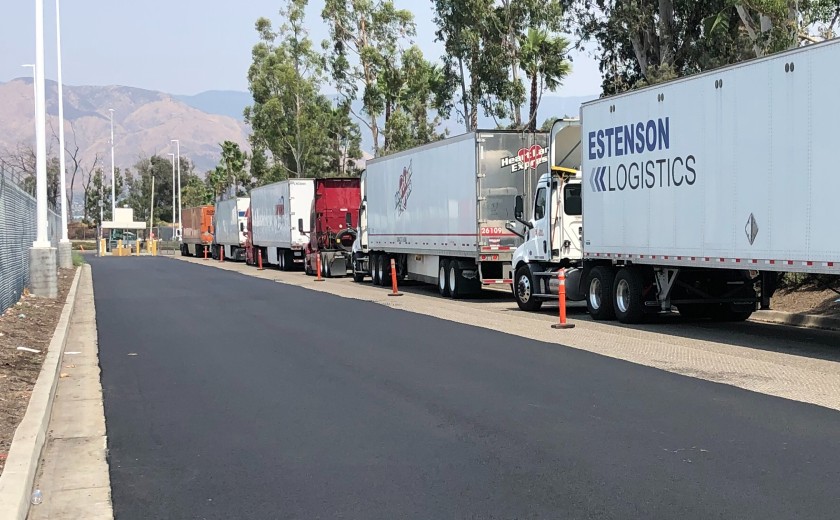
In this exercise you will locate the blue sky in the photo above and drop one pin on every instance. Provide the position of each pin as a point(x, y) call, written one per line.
point(180, 46)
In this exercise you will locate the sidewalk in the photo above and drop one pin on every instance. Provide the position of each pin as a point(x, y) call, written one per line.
point(73, 474)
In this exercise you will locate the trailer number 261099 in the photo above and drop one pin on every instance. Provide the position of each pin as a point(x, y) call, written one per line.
point(492, 231)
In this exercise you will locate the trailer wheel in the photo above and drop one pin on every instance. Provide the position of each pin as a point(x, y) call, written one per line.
point(599, 294)
point(629, 295)
point(695, 311)
point(443, 279)
point(525, 291)
point(456, 291)
point(382, 267)
point(358, 276)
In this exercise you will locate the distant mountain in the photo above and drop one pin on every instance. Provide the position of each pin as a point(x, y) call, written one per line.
point(144, 123)
point(229, 103)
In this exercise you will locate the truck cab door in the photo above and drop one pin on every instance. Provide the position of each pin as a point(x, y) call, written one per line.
point(363, 226)
point(567, 223)
point(541, 232)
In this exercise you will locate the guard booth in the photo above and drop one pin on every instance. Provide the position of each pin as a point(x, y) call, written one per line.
point(121, 236)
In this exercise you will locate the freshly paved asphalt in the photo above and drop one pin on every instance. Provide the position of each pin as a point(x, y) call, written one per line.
point(251, 399)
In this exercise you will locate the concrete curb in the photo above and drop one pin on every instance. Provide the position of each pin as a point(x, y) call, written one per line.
point(25, 453)
point(810, 321)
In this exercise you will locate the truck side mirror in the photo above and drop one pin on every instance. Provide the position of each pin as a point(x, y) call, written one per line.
point(300, 226)
point(242, 227)
point(348, 218)
point(518, 212)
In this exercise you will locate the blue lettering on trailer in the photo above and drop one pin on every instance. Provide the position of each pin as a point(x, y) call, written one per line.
point(631, 139)
point(655, 170)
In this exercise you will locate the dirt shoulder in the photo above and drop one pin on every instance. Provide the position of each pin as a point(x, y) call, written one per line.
point(29, 324)
point(819, 302)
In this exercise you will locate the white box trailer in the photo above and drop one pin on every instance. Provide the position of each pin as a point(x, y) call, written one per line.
point(441, 210)
point(275, 210)
point(229, 223)
point(696, 192)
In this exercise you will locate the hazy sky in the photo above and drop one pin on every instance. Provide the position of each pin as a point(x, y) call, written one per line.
point(179, 46)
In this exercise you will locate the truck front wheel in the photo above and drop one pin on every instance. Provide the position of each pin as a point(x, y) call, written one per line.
point(629, 295)
point(599, 296)
point(524, 290)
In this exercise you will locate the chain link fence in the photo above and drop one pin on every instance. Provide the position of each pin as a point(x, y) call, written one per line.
point(17, 233)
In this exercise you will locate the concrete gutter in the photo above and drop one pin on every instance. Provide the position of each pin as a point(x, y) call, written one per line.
point(810, 321)
point(25, 453)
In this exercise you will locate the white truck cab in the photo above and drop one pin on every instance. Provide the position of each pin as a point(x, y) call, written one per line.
point(554, 235)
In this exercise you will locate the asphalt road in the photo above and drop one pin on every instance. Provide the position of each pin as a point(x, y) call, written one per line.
point(230, 397)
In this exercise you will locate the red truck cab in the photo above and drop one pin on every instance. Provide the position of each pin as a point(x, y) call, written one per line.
point(332, 226)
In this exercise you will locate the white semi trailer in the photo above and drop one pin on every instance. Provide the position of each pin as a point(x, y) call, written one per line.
point(696, 193)
point(275, 210)
point(229, 223)
point(440, 210)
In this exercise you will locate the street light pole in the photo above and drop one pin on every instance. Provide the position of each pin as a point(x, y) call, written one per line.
point(65, 254)
point(113, 181)
point(42, 265)
point(173, 194)
point(180, 205)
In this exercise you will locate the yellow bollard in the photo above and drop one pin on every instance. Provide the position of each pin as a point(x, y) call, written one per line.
point(137, 248)
point(102, 247)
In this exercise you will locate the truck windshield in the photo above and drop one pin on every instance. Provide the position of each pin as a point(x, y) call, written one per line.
point(572, 202)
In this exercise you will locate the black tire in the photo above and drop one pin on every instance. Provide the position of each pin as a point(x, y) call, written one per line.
point(695, 311)
point(726, 313)
point(456, 281)
point(629, 298)
point(183, 253)
point(382, 265)
point(443, 278)
point(599, 293)
point(325, 269)
point(524, 290)
point(358, 276)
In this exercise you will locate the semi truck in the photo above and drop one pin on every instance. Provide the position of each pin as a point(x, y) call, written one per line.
point(441, 210)
point(332, 226)
point(197, 230)
point(272, 223)
point(229, 221)
point(695, 193)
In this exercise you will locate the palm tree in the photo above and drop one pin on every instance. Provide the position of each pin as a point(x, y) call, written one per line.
point(543, 58)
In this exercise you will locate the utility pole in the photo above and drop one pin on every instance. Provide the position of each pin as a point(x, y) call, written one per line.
point(43, 276)
point(180, 205)
point(113, 181)
point(173, 194)
point(65, 251)
point(152, 210)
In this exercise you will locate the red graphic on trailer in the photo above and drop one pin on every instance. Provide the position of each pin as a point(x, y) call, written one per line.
point(526, 158)
point(280, 207)
point(403, 191)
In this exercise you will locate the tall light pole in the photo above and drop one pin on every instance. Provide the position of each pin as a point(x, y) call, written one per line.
point(113, 182)
point(173, 194)
point(178, 160)
point(42, 267)
point(65, 254)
